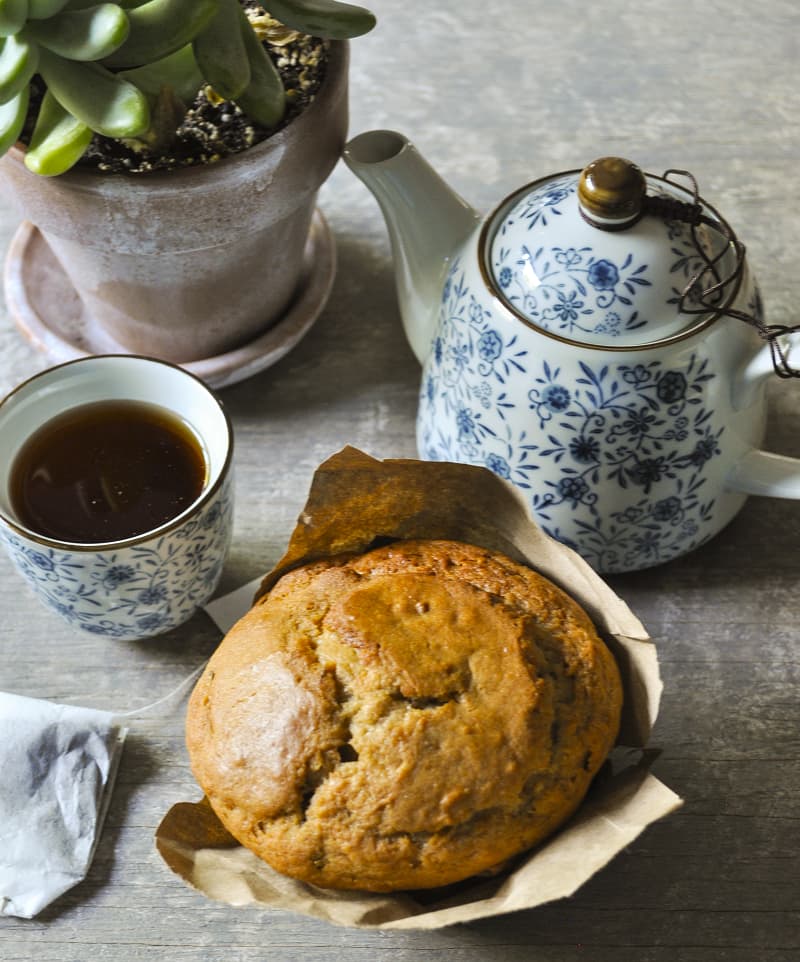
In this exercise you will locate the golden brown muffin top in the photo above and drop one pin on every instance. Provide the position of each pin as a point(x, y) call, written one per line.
point(403, 718)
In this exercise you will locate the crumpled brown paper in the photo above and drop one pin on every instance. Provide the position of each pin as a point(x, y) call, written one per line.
point(355, 501)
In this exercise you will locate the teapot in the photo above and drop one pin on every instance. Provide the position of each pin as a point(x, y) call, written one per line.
point(587, 342)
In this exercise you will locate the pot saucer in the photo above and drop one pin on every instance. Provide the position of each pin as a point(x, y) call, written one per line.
point(48, 311)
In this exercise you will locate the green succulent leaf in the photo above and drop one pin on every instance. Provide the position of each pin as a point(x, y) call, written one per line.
point(13, 14)
point(264, 99)
point(166, 115)
point(90, 34)
point(221, 53)
point(322, 18)
point(12, 119)
point(83, 4)
point(58, 141)
point(178, 72)
point(159, 28)
point(98, 98)
point(18, 62)
point(42, 9)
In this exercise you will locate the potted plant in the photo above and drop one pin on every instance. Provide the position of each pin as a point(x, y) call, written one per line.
point(187, 258)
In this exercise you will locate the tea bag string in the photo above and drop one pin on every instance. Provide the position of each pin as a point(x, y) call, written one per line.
point(708, 286)
point(179, 689)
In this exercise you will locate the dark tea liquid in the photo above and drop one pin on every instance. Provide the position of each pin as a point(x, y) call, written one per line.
point(106, 471)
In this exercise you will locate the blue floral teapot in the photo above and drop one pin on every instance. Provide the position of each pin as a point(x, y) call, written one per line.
point(586, 342)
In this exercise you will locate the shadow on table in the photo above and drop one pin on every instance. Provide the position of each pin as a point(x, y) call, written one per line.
point(356, 345)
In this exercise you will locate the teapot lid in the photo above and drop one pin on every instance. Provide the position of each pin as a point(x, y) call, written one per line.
point(609, 256)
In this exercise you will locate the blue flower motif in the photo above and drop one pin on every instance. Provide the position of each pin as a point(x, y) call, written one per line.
point(573, 489)
point(465, 423)
point(567, 258)
point(555, 195)
point(610, 324)
point(537, 203)
point(213, 573)
point(567, 307)
point(638, 423)
point(645, 473)
point(667, 509)
point(483, 393)
point(603, 275)
point(585, 450)
point(648, 543)
point(151, 622)
point(499, 465)
point(460, 356)
point(636, 375)
point(490, 346)
point(506, 276)
point(66, 611)
point(212, 515)
point(475, 310)
point(671, 387)
point(704, 451)
point(117, 575)
point(556, 398)
point(153, 595)
point(40, 559)
point(437, 350)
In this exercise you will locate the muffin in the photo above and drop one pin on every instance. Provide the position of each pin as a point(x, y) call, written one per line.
point(403, 718)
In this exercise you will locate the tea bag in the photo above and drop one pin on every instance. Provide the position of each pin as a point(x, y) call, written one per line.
point(57, 769)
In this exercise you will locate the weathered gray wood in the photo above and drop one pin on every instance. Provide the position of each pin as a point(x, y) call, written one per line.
point(497, 95)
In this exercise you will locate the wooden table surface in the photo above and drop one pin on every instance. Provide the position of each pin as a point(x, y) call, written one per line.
point(496, 95)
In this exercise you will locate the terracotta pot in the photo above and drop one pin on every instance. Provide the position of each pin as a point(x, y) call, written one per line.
point(191, 263)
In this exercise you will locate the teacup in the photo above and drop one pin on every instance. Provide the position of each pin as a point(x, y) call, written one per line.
point(148, 583)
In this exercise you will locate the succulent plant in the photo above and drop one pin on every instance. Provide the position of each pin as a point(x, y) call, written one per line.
point(235, 64)
point(127, 70)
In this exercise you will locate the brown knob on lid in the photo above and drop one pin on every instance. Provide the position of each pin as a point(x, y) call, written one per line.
point(610, 193)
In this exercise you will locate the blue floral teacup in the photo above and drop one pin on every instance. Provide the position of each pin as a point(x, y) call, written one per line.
point(139, 586)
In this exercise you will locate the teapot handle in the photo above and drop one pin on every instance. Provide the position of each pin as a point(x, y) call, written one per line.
point(762, 472)
point(752, 376)
point(765, 473)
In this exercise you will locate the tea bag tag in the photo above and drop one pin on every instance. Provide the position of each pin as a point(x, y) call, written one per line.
point(58, 768)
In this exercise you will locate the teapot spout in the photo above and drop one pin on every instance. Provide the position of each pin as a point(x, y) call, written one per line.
point(426, 220)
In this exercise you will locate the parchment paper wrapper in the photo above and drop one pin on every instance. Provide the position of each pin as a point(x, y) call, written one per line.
point(354, 502)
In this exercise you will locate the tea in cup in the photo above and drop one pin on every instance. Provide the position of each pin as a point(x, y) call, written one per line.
point(116, 494)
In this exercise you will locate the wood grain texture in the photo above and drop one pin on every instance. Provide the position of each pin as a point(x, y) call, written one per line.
point(495, 96)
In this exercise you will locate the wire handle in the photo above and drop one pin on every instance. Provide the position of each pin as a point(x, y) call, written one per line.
point(708, 287)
